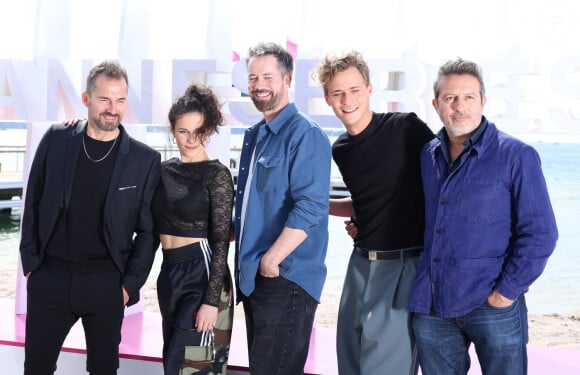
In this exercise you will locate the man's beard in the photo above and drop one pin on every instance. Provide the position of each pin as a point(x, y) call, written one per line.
point(265, 105)
point(108, 126)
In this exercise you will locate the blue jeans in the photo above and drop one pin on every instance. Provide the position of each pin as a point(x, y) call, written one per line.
point(499, 335)
point(279, 317)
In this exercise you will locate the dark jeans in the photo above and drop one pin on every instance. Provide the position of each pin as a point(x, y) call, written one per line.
point(56, 300)
point(279, 317)
point(499, 335)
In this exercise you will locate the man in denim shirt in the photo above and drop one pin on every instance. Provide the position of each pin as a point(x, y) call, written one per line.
point(490, 229)
point(281, 219)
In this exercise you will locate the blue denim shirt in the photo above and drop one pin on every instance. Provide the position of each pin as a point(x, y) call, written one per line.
point(489, 223)
point(289, 188)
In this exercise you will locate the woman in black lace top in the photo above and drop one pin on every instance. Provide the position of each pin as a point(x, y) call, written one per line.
point(193, 208)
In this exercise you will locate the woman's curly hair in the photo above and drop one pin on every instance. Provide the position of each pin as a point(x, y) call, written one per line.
point(201, 99)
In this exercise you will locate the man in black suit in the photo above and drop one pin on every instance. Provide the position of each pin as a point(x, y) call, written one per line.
point(87, 241)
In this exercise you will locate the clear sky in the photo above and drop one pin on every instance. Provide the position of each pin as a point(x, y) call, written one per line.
point(435, 29)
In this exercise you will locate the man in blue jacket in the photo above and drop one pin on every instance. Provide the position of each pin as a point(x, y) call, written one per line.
point(281, 219)
point(490, 229)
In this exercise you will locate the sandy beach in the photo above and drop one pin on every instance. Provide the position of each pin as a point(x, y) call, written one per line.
point(551, 330)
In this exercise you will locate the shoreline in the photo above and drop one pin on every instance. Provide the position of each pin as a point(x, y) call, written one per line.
point(545, 330)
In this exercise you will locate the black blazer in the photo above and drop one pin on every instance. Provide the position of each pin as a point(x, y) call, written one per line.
point(128, 220)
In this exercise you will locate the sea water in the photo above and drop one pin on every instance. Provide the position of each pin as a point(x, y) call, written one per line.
point(556, 291)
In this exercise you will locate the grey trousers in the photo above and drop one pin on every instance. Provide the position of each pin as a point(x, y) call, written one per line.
point(374, 331)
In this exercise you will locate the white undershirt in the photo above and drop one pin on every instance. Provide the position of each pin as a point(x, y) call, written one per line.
point(246, 194)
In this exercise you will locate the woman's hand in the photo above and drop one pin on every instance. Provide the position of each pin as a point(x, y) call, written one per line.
point(206, 318)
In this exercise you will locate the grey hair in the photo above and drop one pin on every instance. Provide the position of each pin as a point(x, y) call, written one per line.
point(458, 67)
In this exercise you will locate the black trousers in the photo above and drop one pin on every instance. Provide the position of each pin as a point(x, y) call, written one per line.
point(57, 298)
point(181, 286)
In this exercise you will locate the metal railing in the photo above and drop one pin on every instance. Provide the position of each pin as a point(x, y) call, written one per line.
point(12, 161)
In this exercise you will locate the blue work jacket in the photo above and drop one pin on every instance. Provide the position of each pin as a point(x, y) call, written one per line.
point(489, 223)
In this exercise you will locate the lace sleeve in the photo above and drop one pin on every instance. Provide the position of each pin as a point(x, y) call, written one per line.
point(221, 196)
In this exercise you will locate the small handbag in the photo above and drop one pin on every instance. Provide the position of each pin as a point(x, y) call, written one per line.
point(204, 359)
point(197, 357)
point(209, 358)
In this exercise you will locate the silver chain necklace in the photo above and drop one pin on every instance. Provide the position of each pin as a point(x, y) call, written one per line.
point(104, 157)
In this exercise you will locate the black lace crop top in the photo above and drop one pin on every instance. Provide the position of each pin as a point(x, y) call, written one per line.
point(196, 200)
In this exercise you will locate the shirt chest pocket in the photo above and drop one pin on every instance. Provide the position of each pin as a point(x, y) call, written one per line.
point(479, 200)
point(269, 173)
